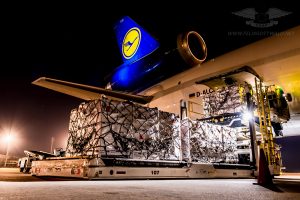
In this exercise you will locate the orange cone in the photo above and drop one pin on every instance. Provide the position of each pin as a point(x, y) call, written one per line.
point(264, 175)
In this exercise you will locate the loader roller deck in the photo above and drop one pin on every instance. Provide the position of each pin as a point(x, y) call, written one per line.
point(116, 168)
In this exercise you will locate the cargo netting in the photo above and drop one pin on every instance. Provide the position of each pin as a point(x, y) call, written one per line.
point(111, 128)
point(206, 143)
point(123, 129)
point(224, 100)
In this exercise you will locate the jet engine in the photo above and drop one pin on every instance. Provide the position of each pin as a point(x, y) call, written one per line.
point(192, 48)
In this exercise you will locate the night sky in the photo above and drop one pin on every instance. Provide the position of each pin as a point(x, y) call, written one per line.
point(77, 43)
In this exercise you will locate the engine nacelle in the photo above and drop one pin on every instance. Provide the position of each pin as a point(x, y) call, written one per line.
point(192, 48)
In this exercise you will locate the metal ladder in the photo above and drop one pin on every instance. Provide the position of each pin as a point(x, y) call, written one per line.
point(263, 109)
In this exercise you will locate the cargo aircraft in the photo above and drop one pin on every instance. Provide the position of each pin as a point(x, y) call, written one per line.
point(274, 60)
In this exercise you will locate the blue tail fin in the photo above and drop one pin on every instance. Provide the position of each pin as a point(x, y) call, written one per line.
point(134, 42)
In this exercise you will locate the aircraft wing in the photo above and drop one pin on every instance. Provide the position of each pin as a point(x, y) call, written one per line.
point(87, 92)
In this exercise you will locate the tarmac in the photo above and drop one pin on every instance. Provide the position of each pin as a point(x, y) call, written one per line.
point(16, 185)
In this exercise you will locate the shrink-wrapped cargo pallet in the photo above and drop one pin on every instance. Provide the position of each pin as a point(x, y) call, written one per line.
point(114, 128)
point(208, 143)
point(224, 100)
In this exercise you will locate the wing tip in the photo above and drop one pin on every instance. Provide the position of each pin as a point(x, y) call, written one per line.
point(36, 82)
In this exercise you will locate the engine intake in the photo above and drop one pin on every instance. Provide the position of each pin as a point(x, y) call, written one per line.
point(192, 48)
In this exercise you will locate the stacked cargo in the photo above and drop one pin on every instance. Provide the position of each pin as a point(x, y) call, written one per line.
point(83, 129)
point(111, 128)
point(207, 143)
point(224, 100)
point(123, 129)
